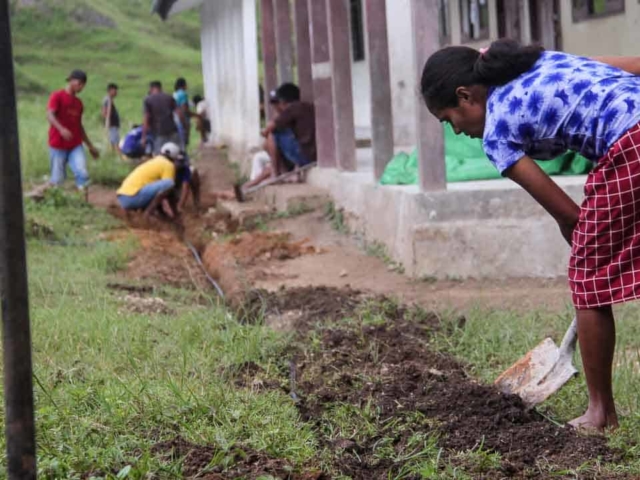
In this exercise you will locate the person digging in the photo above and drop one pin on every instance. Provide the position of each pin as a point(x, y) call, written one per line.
point(149, 186)
point(527, 103)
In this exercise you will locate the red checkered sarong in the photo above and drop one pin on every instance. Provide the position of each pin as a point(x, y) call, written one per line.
point(605, 257)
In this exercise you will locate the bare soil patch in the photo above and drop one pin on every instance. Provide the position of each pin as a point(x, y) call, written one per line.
point(390, 365)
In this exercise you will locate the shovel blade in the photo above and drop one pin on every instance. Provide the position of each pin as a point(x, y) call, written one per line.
point(538, 374)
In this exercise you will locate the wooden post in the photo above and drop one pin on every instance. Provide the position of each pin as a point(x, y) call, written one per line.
point(340, 41)
point(512, 19)
point(322, 84)
point(303, 50)
point(429, 131)
point(284, 41)
point(16, 333)
point(548, 24)
point(269, 55)
point(381, 110)
point(525, 22)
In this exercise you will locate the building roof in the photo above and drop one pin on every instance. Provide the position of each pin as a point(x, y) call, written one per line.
point(162, 7)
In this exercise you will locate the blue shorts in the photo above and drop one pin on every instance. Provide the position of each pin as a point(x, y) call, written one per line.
point(75, 158)
point(114, 136)
point(145, 196)
point(290, 148)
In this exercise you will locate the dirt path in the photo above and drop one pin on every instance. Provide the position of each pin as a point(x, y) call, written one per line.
point(344, 263)
point(341, 261)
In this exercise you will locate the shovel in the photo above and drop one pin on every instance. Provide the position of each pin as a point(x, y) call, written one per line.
point(242, 194)
point(543, 370)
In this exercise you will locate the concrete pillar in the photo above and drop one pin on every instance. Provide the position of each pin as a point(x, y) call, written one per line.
point(322, 84)
point(284, 40)
point(428, 129)
point(303, 50)
point(381, 111)
point(269, 55)
point(340, 53)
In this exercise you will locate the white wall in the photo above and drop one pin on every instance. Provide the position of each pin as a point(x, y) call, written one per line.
point(404, 89)
point(361, 95)
point(612, 35)
point(230, 69)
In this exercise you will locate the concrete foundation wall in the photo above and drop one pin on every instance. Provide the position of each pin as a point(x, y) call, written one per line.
point(478, 230)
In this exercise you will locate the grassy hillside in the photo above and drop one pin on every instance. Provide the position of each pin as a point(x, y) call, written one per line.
point(117, 41)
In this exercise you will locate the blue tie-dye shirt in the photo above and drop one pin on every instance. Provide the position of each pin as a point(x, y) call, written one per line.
point(563, 103)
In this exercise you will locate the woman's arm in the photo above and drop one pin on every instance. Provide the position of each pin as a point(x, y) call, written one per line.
point(628, 64)
point(547, 193)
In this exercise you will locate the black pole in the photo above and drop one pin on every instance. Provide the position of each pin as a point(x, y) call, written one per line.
point(16, 337)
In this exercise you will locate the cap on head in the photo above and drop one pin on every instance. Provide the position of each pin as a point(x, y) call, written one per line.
point(171, 150)
point(77, 75)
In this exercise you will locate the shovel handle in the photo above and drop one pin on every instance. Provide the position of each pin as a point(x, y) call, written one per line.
point(568, 345)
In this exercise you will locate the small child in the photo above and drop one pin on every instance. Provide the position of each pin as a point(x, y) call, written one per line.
point(527, 103)
point(131, 145)
point(111, 116)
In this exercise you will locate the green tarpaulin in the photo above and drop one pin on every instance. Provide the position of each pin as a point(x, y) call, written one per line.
point(465, 160)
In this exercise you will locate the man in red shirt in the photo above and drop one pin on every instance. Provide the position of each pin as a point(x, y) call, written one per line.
point(66, 133)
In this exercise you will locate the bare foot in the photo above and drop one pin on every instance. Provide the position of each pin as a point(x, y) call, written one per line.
point(591, 422)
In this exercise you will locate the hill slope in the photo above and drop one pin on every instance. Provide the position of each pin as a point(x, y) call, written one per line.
point(115, 41)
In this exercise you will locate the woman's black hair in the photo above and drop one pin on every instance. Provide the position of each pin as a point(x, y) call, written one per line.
point(180, 84)
point(197, 99)
point(459, 66)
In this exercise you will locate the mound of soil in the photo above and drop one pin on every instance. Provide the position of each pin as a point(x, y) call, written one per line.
point(163, 259)
point(388, 364)
point(228, 261)
point(246, 463)
point(304, 306)
point(250, 248)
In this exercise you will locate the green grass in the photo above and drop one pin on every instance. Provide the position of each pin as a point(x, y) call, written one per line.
point(335, 217)
point(380, 251)
point(110, 383)
point(54, 37)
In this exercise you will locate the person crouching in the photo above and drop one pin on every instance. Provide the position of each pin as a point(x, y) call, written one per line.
point(150, 184)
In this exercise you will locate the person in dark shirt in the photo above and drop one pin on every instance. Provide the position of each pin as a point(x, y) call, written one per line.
point(291, 135)
point(111, 116)
point(159, 110)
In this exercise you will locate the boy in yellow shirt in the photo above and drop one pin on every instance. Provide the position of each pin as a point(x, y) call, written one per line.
point(150, 184)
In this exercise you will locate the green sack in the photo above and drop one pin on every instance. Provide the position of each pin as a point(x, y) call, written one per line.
point(401, 170)
point(465, 160)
